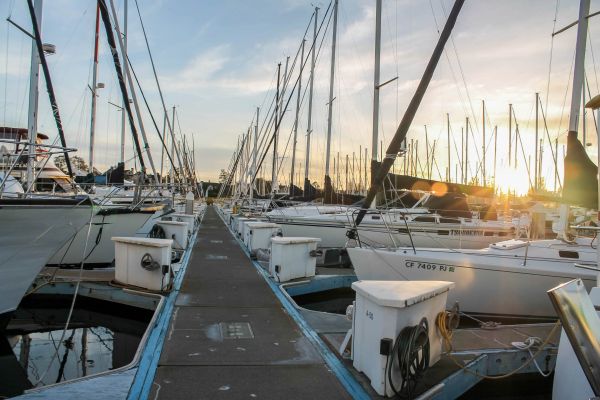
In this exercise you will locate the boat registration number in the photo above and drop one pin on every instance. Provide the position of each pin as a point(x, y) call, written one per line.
point(429, 266)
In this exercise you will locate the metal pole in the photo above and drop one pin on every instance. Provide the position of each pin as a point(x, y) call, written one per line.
point(578, 75)
point(133, 94)
point(254, 153)
point(310, 100)
point(483, 144)
point(276, 134)
point(331, 82)
point(34, 74)
point(93, 88)
point(172, 177)
point(535, 174)
point(291, 192)
point(376, 77)
point(509, 134)
point(556, 169)
point(449, 163)
point(467, 151)
point(125, 72)
point(495, 151)
point(162, 152)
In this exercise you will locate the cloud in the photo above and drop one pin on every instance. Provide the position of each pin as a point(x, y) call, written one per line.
point(200, 71)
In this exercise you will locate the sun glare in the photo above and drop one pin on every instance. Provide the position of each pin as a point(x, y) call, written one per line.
point(512, 180)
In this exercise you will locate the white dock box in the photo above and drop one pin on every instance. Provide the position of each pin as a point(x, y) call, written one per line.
point(237, 228)
point(178, 231)
point(139, 262)
point(233, 220)
point(190, 219)
point(258, 235)
point(291, 257)
point(382, 309)
point(244, 226)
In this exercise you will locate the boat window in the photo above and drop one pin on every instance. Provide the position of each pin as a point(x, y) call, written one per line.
point(443, 233)
point(501, 234)
point(568, 254)
point(424, 219)
point(449, 220)
point(488, 233)
point(375, 217)
point(47, 185)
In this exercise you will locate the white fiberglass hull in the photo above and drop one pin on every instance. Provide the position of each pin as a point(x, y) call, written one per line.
point(30, 234)
point(100, 250)
point(487, 282)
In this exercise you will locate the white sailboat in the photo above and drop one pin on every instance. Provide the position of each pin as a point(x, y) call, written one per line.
point(510, 277)
point(31, 230)
point(334, 225)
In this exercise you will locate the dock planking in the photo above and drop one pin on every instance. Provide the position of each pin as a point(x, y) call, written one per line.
point(230, 337)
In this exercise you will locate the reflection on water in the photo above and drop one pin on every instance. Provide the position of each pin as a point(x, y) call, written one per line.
point(82, 351)
point(34, 352)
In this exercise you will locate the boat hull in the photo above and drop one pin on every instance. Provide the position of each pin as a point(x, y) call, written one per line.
point(486, 284)
point(100, 249)
point(334, 234)
point(30, 232)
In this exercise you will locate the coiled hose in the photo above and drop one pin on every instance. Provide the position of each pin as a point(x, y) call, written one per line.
point(411, 353)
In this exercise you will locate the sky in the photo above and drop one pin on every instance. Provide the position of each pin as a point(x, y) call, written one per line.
point(216, 61)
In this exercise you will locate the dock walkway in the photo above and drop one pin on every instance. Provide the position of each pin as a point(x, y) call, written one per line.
point(230, 337)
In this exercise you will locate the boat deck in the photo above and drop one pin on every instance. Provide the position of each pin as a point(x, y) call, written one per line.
point(230, 337)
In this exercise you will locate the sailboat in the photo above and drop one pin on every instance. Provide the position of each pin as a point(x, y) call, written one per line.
point(509, 277)
point(31, 230)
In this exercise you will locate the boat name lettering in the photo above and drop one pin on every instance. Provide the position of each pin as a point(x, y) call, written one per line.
point(466, 232)
point(428, 266)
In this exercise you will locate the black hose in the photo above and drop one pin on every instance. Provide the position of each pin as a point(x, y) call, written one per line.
point(411, 352)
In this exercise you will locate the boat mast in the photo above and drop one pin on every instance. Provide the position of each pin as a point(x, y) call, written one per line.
point(172, 177)
point(449, 177)
point(576, 96)
point(483, 142)
point(126, 73)
point(93, 89)
point(254, 154)
point(376, 75)
point(292, 191)
point(328, 197)
point(536, 157)
point(578, 74)
point(34, 75)
point(133, 94)
point(310, 100)
point(396, 142)
point(276, 134)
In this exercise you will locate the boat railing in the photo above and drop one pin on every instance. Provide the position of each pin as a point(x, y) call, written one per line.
point(48, 151)
point(382, 214)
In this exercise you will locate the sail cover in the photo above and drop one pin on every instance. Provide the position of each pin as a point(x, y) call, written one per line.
point(581, 180)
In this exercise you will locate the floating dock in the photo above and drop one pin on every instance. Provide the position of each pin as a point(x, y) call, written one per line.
point(227, 330)
point(230, 337)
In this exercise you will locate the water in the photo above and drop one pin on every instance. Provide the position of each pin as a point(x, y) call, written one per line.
point(103, 336)
point(332, 301)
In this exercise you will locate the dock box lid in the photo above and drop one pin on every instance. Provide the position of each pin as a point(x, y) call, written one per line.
point(150, 242)
point(400, 294)
point(259, 224)
point(294, 240)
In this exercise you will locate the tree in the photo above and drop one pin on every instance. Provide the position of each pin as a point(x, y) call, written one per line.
point(77, 162)
point(223, 176)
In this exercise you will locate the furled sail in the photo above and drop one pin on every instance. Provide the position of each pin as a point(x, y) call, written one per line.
point(581, 175)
